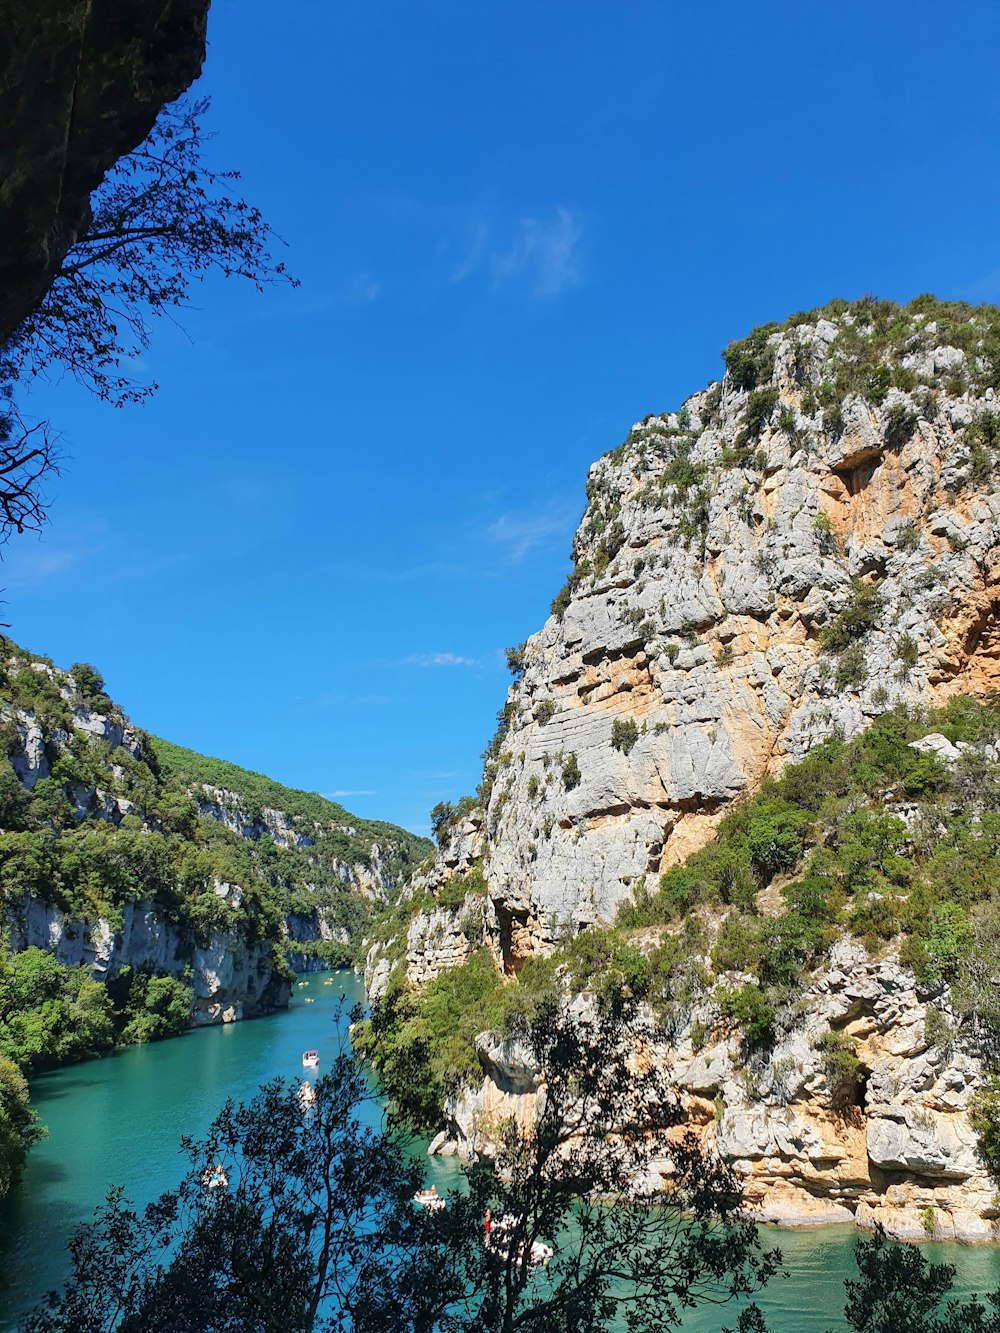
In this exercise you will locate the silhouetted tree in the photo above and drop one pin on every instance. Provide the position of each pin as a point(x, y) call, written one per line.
point(161, 220)
point(900, 1291)
point(316, 1227)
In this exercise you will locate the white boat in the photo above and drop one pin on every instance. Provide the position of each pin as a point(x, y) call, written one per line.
point(429, 1199)
point(539, 1254)
point(310, 1059)
point(307, 1094)
point(215, 1178)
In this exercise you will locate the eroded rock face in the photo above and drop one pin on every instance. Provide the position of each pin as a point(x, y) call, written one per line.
point(231, 976)
point(440, 935)
point(684, 663)
point(903, 1147)
point(82, 83)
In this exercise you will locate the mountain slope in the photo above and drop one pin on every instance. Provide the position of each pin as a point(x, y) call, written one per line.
point(673, 807)
point(118, 850)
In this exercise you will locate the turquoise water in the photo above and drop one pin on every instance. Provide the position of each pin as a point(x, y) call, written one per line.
point(119, 1121)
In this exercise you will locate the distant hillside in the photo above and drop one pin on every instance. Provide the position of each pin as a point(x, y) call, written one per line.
point(144, 888)
point(312, 815)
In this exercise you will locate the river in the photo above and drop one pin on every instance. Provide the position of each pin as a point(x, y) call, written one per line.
point(119, 1121)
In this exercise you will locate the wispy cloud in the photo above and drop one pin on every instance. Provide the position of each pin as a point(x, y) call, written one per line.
point(475, 253)
point(521, 533)
point(339, 795)
point(543, 253)
point(362, 289)
point(440, 660)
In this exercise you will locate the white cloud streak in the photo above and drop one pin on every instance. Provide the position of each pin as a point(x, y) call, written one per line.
point(544, 254)
point(440, 660)
point(520, 533)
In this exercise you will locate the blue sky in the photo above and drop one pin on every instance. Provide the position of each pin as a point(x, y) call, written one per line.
point(519, 227)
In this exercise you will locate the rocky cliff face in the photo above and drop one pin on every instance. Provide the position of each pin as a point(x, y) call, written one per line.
point(109, 858)
point(232, 977)
point(446, 903)
point(684, 659)
point(901, 1154)
point(800, 548)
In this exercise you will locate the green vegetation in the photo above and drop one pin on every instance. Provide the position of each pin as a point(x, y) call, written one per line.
point(19, 1126)
point(624, 735)
point(859, 614)
point(54, 1015)
point(107, 827)
point(845, 1074)
point(824, 840)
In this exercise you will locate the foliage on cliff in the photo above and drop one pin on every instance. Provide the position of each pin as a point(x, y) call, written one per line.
point(872, 838)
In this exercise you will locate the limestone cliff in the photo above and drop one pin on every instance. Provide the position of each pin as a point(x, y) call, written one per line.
point(902, 1154)
point(802, 548)
point(683, 661)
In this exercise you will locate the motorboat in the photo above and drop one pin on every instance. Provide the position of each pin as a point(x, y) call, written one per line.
point(214, 1177)
point(307, 1095)
point(429, 1199)
point(539, 1253)
point(310, 1059)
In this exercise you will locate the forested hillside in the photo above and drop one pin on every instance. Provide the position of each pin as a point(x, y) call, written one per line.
point(144, 887)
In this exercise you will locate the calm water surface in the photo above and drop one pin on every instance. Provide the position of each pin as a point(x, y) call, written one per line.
point(120, 1120)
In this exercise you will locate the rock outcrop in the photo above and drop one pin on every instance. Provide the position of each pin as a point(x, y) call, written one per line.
point(684, 660)
point(107, 860)
point(447, 918)
point(232, 977)
point(82, 83)
point(901, 1153)
point(799, 549)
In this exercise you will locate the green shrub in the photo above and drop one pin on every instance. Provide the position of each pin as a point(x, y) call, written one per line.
point(938, 1032)
point(859, 615)
point(749, 361)
point(544, 711)
point(985, 1119)
point(845, 1074)
point(624, 734)
point(852, 668)
point(571, 774)
point(907, 652)
point(900, 423)
point(907, 537)
point(19, 1126)
point(759, 409)
point(750, 1010)
point(774, 837)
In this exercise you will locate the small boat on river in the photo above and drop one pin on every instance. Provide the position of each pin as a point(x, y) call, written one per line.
point(214, 1177)
point(310, 1059)
point(307, 1095)
point(429, 1199)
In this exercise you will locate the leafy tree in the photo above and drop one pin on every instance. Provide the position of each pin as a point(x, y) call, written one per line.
point(161, 220)
point(899, 1291)
point(316, 1228)
point(19, 1127)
